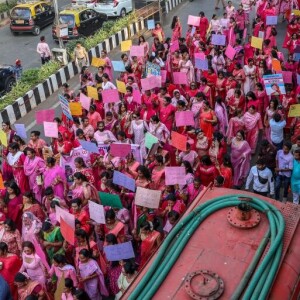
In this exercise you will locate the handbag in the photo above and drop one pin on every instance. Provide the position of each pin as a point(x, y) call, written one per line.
point(261, 179)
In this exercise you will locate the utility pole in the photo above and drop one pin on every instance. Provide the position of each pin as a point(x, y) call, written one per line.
point(60, 41)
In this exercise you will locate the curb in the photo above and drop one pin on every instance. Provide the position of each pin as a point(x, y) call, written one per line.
point(42, 91)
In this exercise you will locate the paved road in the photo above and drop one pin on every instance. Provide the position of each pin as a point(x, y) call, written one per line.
point(23, 46)
point(183, 10)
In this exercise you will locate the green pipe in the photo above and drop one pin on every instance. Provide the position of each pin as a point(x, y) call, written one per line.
point(247, 275)
point(184, 229)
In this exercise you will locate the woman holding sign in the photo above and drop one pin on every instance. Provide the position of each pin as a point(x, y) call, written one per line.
point(207, 120)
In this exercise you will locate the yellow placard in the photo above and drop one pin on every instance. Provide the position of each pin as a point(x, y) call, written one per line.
point(97, 62)
point(126, 45)
point(3, 138)
point(296, 12)
point(160, 37)
point(75, 108)
point(121, 86)
point(60, 288)
point(294, 110)
point(92, 92)
point(256, 42)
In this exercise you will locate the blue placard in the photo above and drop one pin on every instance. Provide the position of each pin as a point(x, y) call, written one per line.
point(150, 24)
point(90, 147)
point(123, 180)
point(65, 107)
point(201, 64)
point(21, 130)
point(118, 66)
point(119, 251)
point(218, 39)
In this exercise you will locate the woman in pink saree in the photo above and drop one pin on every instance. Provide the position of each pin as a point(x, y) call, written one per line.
point(55, 177)
point(240, 158)
point(108, 64)
point(91, 276)
point(235, 124)
point(82, 189)
point(221, 114)
point(15, 159)
point(253, 124)
point(158, 173)
point(34, 167)
point(187, 67)
point(167, 113)
point(231, 33)
point(177, 29)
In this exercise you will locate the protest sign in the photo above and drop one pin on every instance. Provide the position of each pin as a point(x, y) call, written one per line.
point(287, 76)
point(150, 24)
point(124, 181)
point(21, 130)
point(184, 118)
point(96, 212)
point(64, 104)
point(67, 232)
point(152, 69)
point(97, 62)
point(89, 146)
point(112, 200)
point(230, 52)
point(119, 149)
point(51, 129)
point(180, 78)
point(118, 66)
point(256, 42)
point(137, 96)
point(175, 175)
point(150, 139)
point(47, 115)
point(85, 101)
point(194, 21)
point(147, 198)
point(201, 64)
point(178, 140)
point(276, 65)
point(138, 51)
point(174, 46)
point(150, 83)
point(125, 45)
point(218, 39)
point(274, 84)
point(121, 86)
point(92, 92)
point(3, 138)
point(65, 215)
point(119, 251)
point(271, 20)
point(110, 96)
point(294, 111)
point(75, 108)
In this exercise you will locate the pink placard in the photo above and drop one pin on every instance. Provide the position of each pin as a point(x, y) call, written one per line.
point(151, 82)
point(180, 78)
point(51, 129)
point(174, 46)
point(44, 116)
point(287, 76)
point(85, 101)
point(200, 55)
point(194, 21)
point(110, 96)
point(163, 74)
point(184, 118)
point(120, 150)
point(138, 51)
point(175, 175)
point(230, 52)
point(137, 96)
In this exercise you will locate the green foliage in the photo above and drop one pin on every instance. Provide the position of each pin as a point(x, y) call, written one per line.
point(7, 6)
point(32, 77)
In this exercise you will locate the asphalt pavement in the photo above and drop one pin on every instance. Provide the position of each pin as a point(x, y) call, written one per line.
point(23, 46)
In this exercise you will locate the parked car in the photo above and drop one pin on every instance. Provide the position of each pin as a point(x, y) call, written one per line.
point(81, 21)
point(112, 8)
point(31, 17)
point(7, 78)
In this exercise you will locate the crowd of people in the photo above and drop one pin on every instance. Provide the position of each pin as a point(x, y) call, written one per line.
point(231, 112)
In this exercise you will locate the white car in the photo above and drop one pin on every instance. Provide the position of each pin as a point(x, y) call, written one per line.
point(112, 8)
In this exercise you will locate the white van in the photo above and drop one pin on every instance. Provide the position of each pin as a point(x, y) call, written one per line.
point(112, 8)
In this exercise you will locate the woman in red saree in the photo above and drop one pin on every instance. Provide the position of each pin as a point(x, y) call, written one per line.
point(225, 170)
point(239, 74)
point(206, 170)
point(150, 240)
point(34, 167)
point(176, 29)
point(235, 124)
point(158, 32)
point(158, 173)
point(31, 205)
point(253, 124)
point(167, 113)
point(207, 120)
point(137, 68)
point(36, 143)
point(113, 226)
point(236, 101)
point(15, 159)
point(11, 264)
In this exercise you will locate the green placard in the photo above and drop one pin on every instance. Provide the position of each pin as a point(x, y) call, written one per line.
point(110, 200)
point(150, 139)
